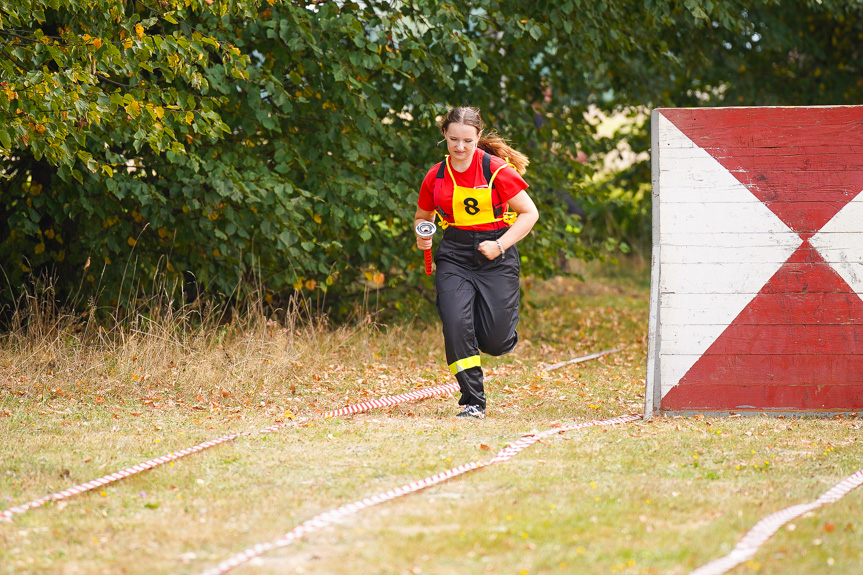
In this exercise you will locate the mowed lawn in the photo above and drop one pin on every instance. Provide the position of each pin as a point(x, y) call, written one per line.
point(657, 497)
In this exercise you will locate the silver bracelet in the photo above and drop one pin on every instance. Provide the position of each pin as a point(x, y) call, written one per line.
point(500, 247)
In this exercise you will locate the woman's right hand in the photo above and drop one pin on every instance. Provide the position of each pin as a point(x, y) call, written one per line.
point(423, 216)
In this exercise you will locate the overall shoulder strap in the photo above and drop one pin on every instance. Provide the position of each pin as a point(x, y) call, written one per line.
point(438, 182)
point(486, 168)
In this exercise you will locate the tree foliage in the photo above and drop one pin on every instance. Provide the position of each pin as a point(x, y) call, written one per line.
point(280, 144)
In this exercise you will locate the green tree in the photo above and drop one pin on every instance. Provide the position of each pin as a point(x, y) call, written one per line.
point(246, 144)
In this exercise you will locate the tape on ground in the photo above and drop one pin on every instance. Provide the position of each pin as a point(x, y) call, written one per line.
point(417, 395)
point(329, 517)
point(8, 514)
point(764, 529)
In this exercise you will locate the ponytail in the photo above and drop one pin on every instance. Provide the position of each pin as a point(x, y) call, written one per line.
point(497, 146)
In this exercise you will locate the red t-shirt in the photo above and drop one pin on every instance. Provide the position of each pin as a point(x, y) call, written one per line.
point(507, 184)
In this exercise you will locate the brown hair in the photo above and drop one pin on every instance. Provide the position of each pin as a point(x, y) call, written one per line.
point(492, 143)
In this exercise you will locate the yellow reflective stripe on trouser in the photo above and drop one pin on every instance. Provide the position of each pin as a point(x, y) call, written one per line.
point(463, 364)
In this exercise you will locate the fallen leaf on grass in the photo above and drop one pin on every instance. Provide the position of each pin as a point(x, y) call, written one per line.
point(136, 412)
point(484, 447)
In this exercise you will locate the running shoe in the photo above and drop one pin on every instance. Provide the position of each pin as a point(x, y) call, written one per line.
point(472, 411)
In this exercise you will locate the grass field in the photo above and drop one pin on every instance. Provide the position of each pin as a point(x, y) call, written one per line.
point(663, 496)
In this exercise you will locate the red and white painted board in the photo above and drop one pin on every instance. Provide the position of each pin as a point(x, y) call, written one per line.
point(757, 266)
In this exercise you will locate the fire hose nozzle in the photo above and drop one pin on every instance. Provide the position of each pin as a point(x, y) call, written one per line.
point(426, 230)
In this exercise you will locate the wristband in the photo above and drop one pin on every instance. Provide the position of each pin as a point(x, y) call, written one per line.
point(500, 247)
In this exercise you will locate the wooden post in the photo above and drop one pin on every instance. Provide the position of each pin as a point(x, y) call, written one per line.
point(652, 395)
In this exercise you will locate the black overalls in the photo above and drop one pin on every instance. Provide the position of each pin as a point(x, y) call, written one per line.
point(477, 298)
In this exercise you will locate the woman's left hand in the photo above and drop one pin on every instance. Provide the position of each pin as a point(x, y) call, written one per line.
point(489, 249)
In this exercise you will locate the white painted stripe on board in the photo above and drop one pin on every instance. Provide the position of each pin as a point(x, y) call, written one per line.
point(713, 240)
point(694, 309)
point(689, 339)
point(730, 268)
point(688, 255)
point(840, 242)
point(703, 217)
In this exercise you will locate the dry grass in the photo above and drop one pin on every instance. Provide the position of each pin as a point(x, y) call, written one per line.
point(658, 497)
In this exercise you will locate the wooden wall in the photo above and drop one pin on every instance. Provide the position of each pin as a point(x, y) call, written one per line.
point(758, 260)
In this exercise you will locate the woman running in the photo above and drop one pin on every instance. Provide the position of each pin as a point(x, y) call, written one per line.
point(477, 279)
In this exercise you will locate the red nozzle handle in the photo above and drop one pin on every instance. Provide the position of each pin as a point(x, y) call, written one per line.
point(426, 230)
point(428, 257)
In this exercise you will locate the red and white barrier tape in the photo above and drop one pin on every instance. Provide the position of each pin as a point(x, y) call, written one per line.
point(764, 529)
point(7, 514)
point(329, 517)
point(417, 395)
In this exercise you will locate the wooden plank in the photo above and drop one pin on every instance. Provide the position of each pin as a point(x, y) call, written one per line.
point(838, 159)
point(690, 217)
point(801, 277)
point(803, 308)
point(789, 309)
point(713, 254)
point(760, 397)
point(828, 150)
point(789, 340)
point(708, 278)
point(712, 278)
point(702, 191)
point(775, 339)
point(689, 341)
point(739, 217)
point(770, 369)
point(717, 254)
point(699, 161)
point(823, 240)
point(771, 127)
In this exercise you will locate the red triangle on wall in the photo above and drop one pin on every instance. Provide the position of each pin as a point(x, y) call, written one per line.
point(797, 345)
point(805, 164)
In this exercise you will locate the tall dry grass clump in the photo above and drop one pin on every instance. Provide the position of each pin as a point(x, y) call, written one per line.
point(193, 353)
